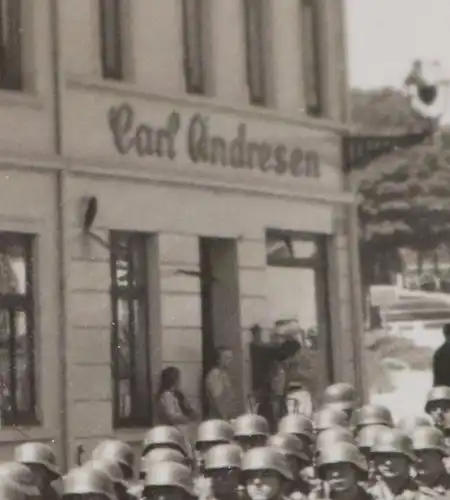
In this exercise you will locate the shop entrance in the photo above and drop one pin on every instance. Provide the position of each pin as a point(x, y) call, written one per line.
point(219, 281)
point(298, 303)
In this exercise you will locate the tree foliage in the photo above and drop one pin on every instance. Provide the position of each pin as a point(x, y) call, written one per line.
point(405, 196)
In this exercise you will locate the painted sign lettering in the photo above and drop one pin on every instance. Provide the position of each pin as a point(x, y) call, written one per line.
point(202, 146)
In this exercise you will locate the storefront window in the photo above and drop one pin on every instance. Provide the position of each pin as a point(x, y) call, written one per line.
point(298, 303)
point(130, 354)
point(17, 377)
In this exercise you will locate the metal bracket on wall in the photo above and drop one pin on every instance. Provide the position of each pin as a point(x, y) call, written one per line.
point(359, 151)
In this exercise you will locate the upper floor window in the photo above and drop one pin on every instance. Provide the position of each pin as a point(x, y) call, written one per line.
point(255, 53)
point(17, 363)
point(10, 45)
point(193, 46)
point(111, 39)
point(130, 320)
point(311, 57)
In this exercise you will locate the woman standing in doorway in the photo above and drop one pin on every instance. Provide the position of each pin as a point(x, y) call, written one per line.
point(172, 406)
point(221, 397)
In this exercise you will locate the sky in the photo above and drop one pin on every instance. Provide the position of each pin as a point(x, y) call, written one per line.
point(385, 36)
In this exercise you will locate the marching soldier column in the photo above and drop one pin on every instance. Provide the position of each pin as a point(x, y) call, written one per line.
point(343, 452)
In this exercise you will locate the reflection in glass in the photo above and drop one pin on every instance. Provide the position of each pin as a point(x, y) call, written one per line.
point(13, 277)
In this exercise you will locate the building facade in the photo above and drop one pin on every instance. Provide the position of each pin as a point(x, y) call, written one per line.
point(171, 176)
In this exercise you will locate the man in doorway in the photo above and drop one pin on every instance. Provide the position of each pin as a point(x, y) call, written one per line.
point(441, 360)
point(220, 393)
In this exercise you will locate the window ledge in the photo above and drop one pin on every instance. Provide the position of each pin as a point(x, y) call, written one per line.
point(23, 433)
point(206, 102)
point(20, 98)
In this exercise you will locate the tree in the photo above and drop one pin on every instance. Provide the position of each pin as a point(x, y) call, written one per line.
point(405, 196)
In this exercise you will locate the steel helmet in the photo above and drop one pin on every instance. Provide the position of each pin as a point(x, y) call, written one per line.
point(158, 455)
point(330, 437)
point(368, 435)
point(165, 435)
point(373, 415)
point(266, 458)
point(116, 451)
point(329, 417)
point(210, 431)
point(297, 424)
point(37, 453)
point(19, 475)
point(112, 469)
point(341, 453)
point(223, 456)
point(438, 393)
point(170, 474)
point(250, 424)
point(409, 423)
point(428, 438)
point(86, 480)
point(289, 445)
point(341, 396)
point(394, 441)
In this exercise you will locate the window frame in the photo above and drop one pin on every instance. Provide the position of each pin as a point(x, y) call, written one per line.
point(115, 72)
point(261, 62)
point(11, 45)
point(130, 293)
point(197, 26)
point(316, 40)
point(13, 302)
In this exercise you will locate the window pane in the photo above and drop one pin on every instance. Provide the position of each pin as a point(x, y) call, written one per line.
point(13, 269)
point(310, 51)
point(5, 365)
point(255, 53)
point(110, 26)
point(124, 357)
point(10, 44)
point(193, 53)
point(130, 330)
point(23, 363)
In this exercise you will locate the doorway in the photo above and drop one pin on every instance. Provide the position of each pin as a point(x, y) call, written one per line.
point(298, 301)
point(219, 287)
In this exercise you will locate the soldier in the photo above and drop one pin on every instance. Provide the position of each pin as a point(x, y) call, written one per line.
point(266, 473)
point(342, 467)
point(366, 439)
point(223, 469)
point(341, 396)
point(41, 460)
point(438, 405)
point(329, 417)
point(20, 477)
point(430, 449)
point(115, 473)
point(298, 460)
point(299, 426)
point(210, 433)
point(118, 452)
point(369, 415)
point(409, 423)
point(393, 457)
point(250, 430)
point(87, 483)
point(165, 436)
point(332, 436)
point(169, 480)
